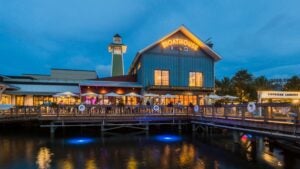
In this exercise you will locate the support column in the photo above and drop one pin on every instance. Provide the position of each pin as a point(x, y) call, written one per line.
point(194, 127)
point(102, 126)
point(52, 130)
point(2, 88)
point(253, 148)
point(236, 141)
point(179, 125)
point(147, 130)
point(236, 136)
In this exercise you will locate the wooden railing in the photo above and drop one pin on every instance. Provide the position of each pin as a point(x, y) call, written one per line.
point(272, 113)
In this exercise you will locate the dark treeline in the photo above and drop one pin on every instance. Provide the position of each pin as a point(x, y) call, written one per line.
point(244, 85)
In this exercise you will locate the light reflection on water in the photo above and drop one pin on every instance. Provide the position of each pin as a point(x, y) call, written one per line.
point(44, 158)
point(80, 140)
point(132, 163)
point(138, 152)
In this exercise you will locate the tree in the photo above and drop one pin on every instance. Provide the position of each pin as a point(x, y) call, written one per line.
point(293, 84)
point(224, 86)
point(242, 83)
point(262, 83)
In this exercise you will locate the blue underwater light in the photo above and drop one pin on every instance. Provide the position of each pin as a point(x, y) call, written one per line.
point(168, 138)
point(80, 140)
point(249, 135)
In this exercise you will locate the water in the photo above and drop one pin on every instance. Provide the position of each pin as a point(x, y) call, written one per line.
point(156, 151)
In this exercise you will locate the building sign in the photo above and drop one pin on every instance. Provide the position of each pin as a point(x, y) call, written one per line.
point(177, 41)
point(278, 95)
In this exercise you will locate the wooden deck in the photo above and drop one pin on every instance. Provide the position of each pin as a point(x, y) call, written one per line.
point(283, 118)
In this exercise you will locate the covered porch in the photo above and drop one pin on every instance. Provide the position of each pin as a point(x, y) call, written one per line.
point(110, 93)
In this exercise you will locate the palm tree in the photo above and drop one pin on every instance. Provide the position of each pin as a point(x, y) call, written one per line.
point(293, 84)
point(224, 86)
point(262, 83)
point(242, 82)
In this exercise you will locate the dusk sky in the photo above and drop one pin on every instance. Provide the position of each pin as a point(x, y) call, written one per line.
point(262, 36)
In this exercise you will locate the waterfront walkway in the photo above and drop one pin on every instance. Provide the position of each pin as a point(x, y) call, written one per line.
point(274, 119)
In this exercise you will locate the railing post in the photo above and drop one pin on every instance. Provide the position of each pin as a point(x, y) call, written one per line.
point(17, 112)
point(57, 110)
point(270, 114)
point(243, 114)
point(213, 111)
point(226, 108)
point(298, 114)
point(25, 111)
point(11, 111)
point(266, 114)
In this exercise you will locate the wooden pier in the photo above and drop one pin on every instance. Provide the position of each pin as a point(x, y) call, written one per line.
point(280, 120)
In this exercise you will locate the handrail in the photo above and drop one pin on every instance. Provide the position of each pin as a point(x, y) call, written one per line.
point(264, 112)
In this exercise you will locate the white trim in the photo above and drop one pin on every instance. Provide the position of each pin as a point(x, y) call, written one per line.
point(112, 61)
point(2, 89)
point(186, 32)
point(122, 64)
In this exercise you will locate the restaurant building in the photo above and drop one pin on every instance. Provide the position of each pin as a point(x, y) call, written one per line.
point(178, 68)
point(279, 97)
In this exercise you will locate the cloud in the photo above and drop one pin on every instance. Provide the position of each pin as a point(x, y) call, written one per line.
point(257, 35)
point(103, 70)
point(70, 18)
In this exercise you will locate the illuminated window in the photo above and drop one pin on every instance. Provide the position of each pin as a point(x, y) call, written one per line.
point(161, 77)
point(196, 79)
point(139, 66)
point(117, 50)
point(6, 99)
point(40, 100)
point(20, 100)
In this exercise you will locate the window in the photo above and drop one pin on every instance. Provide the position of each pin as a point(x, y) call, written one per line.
point(39, 100)
point(182, 99)
point(6, 99)
point(161, 77)
point(196, 79)
point(20, 100)
point(139, 66)
point(117, 50)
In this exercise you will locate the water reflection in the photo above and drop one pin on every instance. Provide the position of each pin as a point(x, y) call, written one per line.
point(165, 158)
point(90, 164)
point(44, 158)
point(187, 155)
point(206, 152)
point(132, 163)
point(66, 164)
point(200, 164)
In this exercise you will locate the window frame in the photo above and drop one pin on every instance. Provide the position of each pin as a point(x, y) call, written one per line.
point(161, 80)
point(194, 83)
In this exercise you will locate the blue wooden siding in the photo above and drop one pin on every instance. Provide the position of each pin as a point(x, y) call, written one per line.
point(178, 62)
point(179, 68)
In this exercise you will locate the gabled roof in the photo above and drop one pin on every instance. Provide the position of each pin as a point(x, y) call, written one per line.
point(187, 33)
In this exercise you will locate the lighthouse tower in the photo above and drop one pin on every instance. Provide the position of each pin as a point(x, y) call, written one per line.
point(117, 49)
